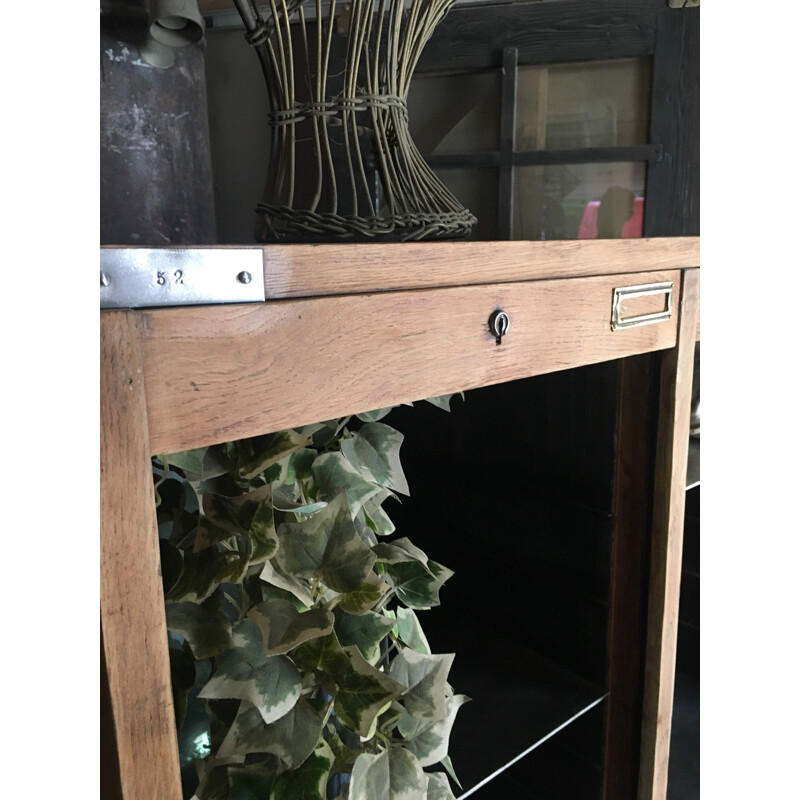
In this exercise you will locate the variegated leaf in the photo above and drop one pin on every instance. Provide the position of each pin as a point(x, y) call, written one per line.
point(425, 677)
point(430, 740)
point(204, 626)
point(324, 654)
point(334, 474)
point(201, 464)
point(365, 631)
point(410, 631)
point(363, 692)
point(299, 465)
point(204, 572)
point(394, 774)
point(344, 756)
point(283, 627)
point(398, 552)
point(291, 739)
point(443, 400)
point(271, 683)
point(272, 573)
point(270, 450)
point(448, 765)
point(374, 416)
point(249, 515)
point(251, 782)
point(374, 451)
point(439, 787)
point(326, 546)
point(417, 584)
point(309, 780)
point(377, 518)
point(365, 597)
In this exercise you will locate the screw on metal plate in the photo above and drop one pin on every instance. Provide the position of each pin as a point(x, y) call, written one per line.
point(499, 324)
point(103, 278)
point(244, 277)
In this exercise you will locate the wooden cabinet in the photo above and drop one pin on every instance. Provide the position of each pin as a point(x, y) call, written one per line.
point(406, 322)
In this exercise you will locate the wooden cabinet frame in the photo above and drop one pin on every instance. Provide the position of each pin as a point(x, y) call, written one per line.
point(415, 315)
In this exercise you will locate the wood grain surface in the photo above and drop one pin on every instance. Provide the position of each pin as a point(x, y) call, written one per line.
point(311, 270)
point(637, 405)
point(134, 630)
point(219, 373)
point(667, 547)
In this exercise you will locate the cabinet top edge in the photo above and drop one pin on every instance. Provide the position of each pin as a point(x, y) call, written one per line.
point(312, 270)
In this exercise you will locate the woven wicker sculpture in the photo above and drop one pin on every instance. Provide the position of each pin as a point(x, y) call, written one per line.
point(343, 165)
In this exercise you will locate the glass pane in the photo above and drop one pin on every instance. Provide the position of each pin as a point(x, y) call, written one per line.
point(455, 113)
point(595, 104)
point(476, 189)
point(579, 201)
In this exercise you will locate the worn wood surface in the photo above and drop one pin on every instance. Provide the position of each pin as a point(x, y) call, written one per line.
point(242, 370)
point(545, 33)
point(131, 597)
point(666, 548)
point(632, 512)
point(508, 132)
point(673, 182)
point(310, 270)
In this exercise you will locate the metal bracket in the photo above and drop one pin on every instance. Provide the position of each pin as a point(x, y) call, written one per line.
point(141, 277)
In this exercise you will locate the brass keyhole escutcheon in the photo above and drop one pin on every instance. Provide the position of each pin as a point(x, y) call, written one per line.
point(499, 324)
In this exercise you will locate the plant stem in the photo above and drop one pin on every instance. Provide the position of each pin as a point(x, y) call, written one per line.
point(384, 601)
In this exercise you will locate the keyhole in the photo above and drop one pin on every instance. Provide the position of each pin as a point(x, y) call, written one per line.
point(499, 324)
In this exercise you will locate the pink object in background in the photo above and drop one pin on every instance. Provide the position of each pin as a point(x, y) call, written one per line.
point(632, 229)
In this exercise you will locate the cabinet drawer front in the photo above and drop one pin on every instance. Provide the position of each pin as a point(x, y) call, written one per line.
point(220, 373)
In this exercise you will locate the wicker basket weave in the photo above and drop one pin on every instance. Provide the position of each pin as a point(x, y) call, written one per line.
point(343, 165)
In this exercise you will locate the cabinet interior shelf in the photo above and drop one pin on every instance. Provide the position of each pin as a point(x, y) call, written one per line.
point(519, 698)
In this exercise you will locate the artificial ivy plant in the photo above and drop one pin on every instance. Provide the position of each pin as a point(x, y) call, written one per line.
point(292, 611)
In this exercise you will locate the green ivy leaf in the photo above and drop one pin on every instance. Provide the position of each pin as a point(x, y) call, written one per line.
point(398, 551)
point(364, 631)
point(344, 756)
point(299, 465)
point(394, 774)
point(377, 518)
point(365, 597)
point(374, 416)
point(307, 782)
point(271, 449)
point(410, 631)
point(443, 400)
point(427, 739)
point(324, 654)
point(333, 474)
point(375, 452)
point(272, 574)
point(206, 629)
point(425, 677)
point(204, 572)
point(283, 627)
point(438, 787)
point(271, 683)
point(448, 765)
point(251, 782)
point(249, 515)
point(363, 692)
point(417, 585)
point(290, 739)
point(325, 546)
point(201, 464)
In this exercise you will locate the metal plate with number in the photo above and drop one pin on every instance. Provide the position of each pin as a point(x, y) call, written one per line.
point(140, 277)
